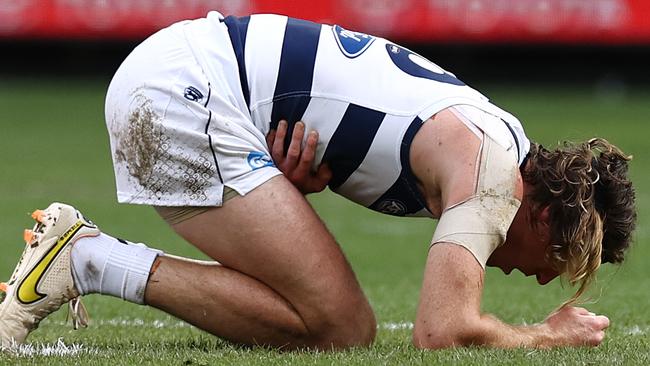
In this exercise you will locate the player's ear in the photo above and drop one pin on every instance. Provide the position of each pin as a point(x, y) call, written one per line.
point(542, 225)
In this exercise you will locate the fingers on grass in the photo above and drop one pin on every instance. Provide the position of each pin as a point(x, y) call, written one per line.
point(579, 310)
point(603, 321)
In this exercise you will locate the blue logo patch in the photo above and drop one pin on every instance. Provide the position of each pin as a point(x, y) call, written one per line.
point(352, 44)
point(258, 159)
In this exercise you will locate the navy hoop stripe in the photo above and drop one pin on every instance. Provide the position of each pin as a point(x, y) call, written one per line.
point(405, 189)
point(237, 28)
point(296, 71)
point(295, 74)
point(351, 141)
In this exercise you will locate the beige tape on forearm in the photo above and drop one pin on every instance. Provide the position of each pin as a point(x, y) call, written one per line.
point(481, 222)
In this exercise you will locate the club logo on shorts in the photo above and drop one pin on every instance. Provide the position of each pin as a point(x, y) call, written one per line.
point(193, 94)
point(258, 159)
point(352, 44)
point(392, 207)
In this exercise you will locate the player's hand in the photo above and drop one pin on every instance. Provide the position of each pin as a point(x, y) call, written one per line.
point(576, 326)
point(296, 163)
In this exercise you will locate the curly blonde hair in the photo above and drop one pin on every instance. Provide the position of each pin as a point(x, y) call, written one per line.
point(591, 204)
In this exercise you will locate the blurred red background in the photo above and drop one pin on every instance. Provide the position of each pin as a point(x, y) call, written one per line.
point(481, 21)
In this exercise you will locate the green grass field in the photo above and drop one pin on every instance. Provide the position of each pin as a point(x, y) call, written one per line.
point(53, 146)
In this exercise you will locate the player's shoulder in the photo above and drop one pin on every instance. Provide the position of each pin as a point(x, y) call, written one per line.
point(450, 161)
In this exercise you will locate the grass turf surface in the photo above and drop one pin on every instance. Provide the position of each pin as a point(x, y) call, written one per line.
point(54, 147)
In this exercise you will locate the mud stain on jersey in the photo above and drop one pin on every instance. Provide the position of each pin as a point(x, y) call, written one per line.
point(160, 160)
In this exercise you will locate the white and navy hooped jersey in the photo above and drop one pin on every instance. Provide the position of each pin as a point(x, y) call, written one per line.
point(367, 98)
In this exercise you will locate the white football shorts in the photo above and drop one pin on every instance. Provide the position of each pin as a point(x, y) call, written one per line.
point(179, 127)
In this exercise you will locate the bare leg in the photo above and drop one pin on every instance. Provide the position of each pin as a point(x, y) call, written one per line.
point(284, 280)
point(229, 304)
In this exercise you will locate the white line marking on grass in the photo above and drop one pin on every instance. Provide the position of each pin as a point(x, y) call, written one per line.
point(137, 323)
point(57, 349)
point(634, 330)
point(172, 323)
point(396, 326)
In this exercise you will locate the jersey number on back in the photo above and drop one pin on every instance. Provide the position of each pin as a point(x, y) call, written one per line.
point(416, 65)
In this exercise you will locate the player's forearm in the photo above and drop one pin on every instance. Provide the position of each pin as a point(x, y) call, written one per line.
point(486, 331)
point(495, 333)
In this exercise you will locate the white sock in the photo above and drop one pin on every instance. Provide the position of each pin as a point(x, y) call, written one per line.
point(111, 266)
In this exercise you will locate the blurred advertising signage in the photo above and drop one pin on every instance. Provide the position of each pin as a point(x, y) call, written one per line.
point(566, 21)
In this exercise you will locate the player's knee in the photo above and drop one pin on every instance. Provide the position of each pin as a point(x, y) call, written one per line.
point(359, 327)
point(349, 326)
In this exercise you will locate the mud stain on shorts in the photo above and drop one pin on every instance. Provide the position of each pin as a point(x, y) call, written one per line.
point(158, 160)
point(139, 146)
